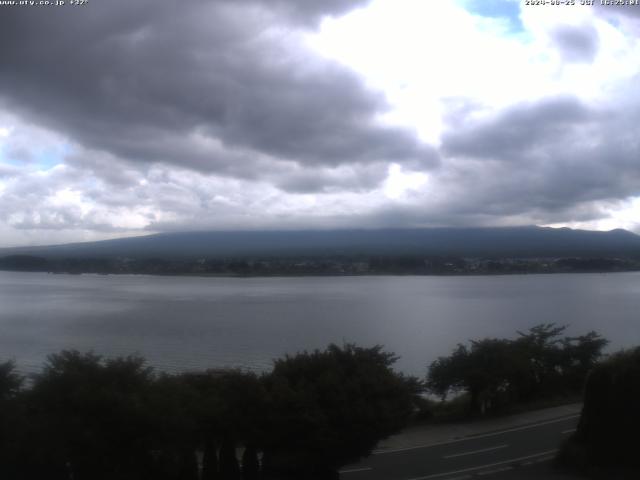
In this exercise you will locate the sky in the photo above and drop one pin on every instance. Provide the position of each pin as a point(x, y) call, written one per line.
point(122, 118)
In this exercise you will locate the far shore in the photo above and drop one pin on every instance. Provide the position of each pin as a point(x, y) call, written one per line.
point(325, 275)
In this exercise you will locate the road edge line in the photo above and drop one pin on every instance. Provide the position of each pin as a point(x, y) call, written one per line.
point(489, 465)
point(473, 437)
point(473, 452)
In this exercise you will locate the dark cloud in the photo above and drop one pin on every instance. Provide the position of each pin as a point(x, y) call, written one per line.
point(516, 132)
point(612, 11)
point(550, 160)
point(309, 12)
point(576, 43)
point(401, 216)
point(213, 114)
point(217, 86)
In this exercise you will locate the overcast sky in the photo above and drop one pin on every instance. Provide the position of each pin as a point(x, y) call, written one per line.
point(123, 118)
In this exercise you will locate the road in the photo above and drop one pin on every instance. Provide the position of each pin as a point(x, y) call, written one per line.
point(481, 455)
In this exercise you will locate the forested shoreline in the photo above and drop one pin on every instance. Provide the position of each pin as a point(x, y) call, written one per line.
point(318, 266)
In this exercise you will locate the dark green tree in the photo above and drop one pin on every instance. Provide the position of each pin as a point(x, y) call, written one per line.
point(328, 408)
point(229, 412)
point(497, 372)
point(11, 419)
point(250, 463)
point(229, 466)
point(210, 460)
point(607, 434)
point(540, 358)
point(10, 381)
point(483, 370)
point(172, 404)
point(89, 416)
point(580, 355)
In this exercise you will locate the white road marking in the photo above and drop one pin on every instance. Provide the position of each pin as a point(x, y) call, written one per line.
point(571, 430)
point(495, 470)
point(488, 449)
point(490, 465)
point(473, 437)
point(354, 470)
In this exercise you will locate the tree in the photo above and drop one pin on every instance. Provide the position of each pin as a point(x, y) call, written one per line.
point(172, 405)
point(483, 371)
point(608, 429)
point(580, 356)
point(498, 372)
point(86, 417)
point(540, 349)
point(328, 408)
point(250, 463)
point(229, 411)
point(89, 416)
point(10, 381)
point(11, 418)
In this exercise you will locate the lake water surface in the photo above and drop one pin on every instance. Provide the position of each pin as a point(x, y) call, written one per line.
point(181, 323)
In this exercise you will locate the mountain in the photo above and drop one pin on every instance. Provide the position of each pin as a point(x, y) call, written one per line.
point(525, 242)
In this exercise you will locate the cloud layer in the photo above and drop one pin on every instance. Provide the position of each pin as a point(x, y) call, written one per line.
point(125, 117)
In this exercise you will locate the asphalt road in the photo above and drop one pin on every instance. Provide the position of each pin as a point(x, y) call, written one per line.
point(483, 455)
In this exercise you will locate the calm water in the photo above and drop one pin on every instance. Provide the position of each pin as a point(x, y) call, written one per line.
point(185, 323)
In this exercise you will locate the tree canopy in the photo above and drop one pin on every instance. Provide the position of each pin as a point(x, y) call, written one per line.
point(333, 406)
point(607, 434)
point(497, 372)
point(89, 417)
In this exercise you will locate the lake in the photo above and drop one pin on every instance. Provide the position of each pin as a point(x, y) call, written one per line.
point(183, 323)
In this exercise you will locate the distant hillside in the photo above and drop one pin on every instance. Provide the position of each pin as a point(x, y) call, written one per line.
point(523, 242)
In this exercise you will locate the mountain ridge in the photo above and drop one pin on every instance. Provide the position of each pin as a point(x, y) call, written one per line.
point(498, 242)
